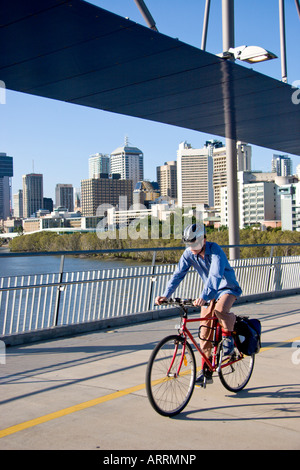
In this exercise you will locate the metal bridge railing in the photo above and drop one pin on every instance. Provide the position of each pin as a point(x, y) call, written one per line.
point(36, 302)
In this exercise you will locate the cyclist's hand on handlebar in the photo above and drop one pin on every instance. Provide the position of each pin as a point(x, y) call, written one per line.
point(200, 302)
point(160, 299)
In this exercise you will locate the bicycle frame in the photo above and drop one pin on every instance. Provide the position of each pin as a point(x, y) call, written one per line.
point(213, 364)
point(172, 367)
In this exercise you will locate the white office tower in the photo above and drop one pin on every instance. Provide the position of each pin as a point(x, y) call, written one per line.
point(128, 162)
point(98, 164)
point(282, 165)
point(194, 176)
point(259, 201)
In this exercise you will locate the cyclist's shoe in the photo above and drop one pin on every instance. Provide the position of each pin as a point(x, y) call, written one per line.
point(204, 378)
point(228, 346)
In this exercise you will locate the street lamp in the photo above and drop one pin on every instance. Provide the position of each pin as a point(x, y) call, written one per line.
point(250, 54)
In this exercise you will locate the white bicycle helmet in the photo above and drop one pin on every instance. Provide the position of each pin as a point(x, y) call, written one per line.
point(193, 235)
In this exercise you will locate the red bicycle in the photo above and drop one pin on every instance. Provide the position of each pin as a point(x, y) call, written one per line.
point(171, 369)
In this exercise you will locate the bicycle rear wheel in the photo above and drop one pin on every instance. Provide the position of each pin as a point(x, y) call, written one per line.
point(168, 388)
point(235, 376)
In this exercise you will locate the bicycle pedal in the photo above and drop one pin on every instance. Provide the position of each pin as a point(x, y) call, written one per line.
point(202, 385)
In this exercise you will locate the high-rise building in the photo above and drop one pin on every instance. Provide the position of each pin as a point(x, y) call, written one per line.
point(6, 172)
point(290, 206)
point(98, 163)
point(218, 152)
point(244, 156)
point(6, 165)
point(167, 179)
point(18, 204)
point(97, 192)
point(32, 194)
point(64, 196)
point(194, 176)
point(128, 162)
point(5, 199)
point(282, 165)
point(258, 198)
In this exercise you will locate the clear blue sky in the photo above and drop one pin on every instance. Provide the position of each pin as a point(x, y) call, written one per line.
point(56, 138)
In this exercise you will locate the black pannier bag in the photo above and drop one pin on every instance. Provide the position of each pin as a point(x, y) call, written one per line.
point(247, 334)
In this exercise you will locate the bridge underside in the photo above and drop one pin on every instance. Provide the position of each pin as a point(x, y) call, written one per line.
point(73, 51)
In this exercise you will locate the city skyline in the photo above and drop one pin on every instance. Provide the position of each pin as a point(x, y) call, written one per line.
point(180, 146)
point(57, 138)
point(259, 196)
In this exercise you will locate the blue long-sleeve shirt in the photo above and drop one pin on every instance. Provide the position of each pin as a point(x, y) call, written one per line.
point(216, 273)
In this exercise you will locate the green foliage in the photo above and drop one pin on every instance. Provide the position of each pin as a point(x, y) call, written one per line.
point(51, 241)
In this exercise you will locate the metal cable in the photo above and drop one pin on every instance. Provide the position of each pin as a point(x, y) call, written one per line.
point(298, 7)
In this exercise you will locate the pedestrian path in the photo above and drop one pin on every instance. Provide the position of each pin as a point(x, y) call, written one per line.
point(88, 392)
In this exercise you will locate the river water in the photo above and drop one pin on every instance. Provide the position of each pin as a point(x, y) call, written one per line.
point(23, 309)
point(18, 266)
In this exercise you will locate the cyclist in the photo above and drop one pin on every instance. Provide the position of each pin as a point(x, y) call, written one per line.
point(220, 283)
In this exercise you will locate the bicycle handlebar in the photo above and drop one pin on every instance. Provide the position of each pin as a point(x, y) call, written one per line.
point(181, 302)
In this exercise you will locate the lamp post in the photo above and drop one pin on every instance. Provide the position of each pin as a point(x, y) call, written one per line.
point(205, 24)
point(231, 156)
point(282, 40)
point(250, 54)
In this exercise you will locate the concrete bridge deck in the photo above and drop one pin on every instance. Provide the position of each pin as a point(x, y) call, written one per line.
point(87, 392)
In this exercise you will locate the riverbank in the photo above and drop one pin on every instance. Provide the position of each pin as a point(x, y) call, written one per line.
point(51, 242)
point(5, 248)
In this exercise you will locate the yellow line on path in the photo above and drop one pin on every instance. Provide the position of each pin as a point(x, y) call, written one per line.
point(282, 343)
point(69, 410)
point(96, 401)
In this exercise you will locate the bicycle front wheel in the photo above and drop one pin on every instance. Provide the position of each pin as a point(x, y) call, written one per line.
point(170, 375)
point(235, 376)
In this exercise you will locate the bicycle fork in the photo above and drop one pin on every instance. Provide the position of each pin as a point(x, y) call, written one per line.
point(182, 358)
